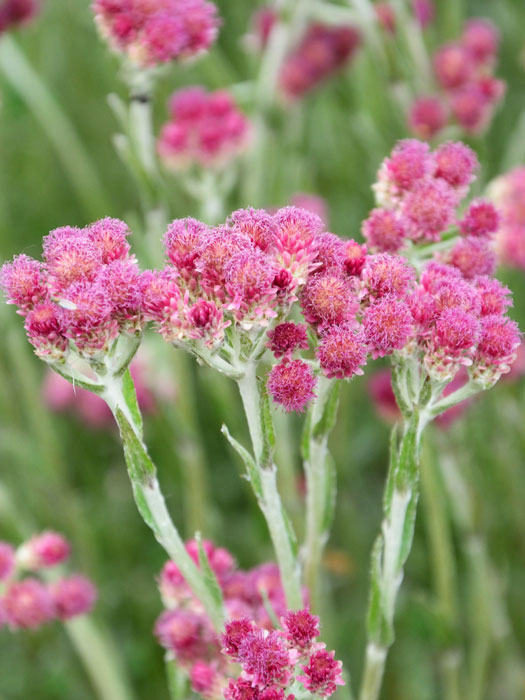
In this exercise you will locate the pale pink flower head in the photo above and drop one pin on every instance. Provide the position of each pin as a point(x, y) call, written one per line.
point(453, 66)
point(28, 604)
point(387, 326)
point(481, 219)
point(296, 240)
point(495, 297)
point(385, 230)
point(23, 282)
point(182, 241)
point(473, 257)
point(385, 274)
point(342, 352)
point(205, 680)
point(430, 209)
point(409, 162)
point(456, 164)
point(427, 117)
point(301, 628)
point(291, 385)
point(110, 237)
point(434, 273)
point(481, 38)
point(174, 146)
point(45, 550)
point(286, 338)
point(499, 338)
point(265, 658)
point(46, 331)
point(73, 596)
point(258, 224)
point(322, 674)
point(456, 330)
point(329, 298)
point(71, 256)
point(7, 560)
point(355, 257)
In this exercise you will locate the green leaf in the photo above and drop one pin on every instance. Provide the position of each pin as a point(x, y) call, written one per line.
point(207, 573)
point(392, 470)
point(267, 427)
point(291, 534)
point(143, 507)
point(375, 619)
point(409, 524)
point(140, 467)
point(252, 473)
point(330, 485)
point(408, 465)
point(327, 421)
point(305, 438)
point(130, 397)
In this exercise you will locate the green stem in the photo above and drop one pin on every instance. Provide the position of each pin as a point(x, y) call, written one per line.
point(74, 156)
point(320, 479)
point(268, 497)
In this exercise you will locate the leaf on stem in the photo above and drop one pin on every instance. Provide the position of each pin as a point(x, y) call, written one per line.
point(252, 473)
point(140, 466)
point(207, 573)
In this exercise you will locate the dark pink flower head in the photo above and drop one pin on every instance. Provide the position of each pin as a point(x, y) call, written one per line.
point(46, 331)
point(121, 280)
point(287, 337)
point(385, 274)
point(235, 632)
point(342, 352)
point(241, 689)
point(28, 604)
point(456, 164)
point(187, 633)
point(495, 297)
point(203, 679)
point(16, 12)
point(73, 596)
point(85, 315)
point(331, 253)
point(385, 230)
point(409, 162)
point(301, 628)
point(23, 282)
point(160, 294)
point(427, 116)
point(387, 325)
point(71, 256)
point(206, 321)
point(258, 224)
point(329, 298)
point(296, 240)
point(7, 560)
point(110, 237)
point(456, 330)
point(481, 38)
point(453, 66)
point(429, 209)
point(182, 241)
point(291, 385)
point(46, 550)
point(189, 103)
point(473, 257)
point(263, 655)
point(480, 219)
point(249, 276)
point(322, 674)
point(355, 257)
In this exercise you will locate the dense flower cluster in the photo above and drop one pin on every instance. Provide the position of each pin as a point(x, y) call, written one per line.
point(82, 296)
point(16, 12)
point(321, 52)
point(26, 601)
point(150, 33)
point(464, 71)
point(187, 633)
point(205, 129)
point(508, 192)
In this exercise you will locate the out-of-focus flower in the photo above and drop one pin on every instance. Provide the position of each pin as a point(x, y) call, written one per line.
point(427, 117)
point(73, 596)
point(16, 12)
point(28, 604)
point(508, 193)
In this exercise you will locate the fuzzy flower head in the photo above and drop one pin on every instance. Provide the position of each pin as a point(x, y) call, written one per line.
point(481, 39)
point(286, 338)
point(291, 385)
point(235, 632)
point(456, 330)
point(342, 352)
point(409, 162)
point(151, 33)
point(296, 240)
point(427, 117)
point(429, 209)
point(301, 628)
point(473, 256)
point(480, 219)
point(23, 283)
point(257, 224)
point(385, 230)
point(44, 551)
point(249, 282)
point(28, 604)
point(385, 274)
point(456, 164)
point(110, 237)
point(71, 256)
point(453, 66)
point(495, 297)
point(387, 326)
point(73, 596)
point(45, 331)
point(322, 674)
point(329, 298)
point(265, 658)
point(331, 252)
point(496, 350)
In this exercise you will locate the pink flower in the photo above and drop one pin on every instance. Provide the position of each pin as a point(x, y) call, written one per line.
point(46, 550)
point(429, 209)
point(28, 604)
point(409, 162)
point(287, 337)
point(473, 256)
point(385, 274)
point(322, 674)
point(481, 38)
point(235, 632)
point(45, 331)
point(71, 256)
point(187, 633)
point(456, 330)
point(301, 628)
point(387, 326)
point(471, 107)
point(109, 236)
point(329, 298)
point(265, 658)
point(385, 230)
point(203, 678)
point(23, 282)
point(456, 164)
point(355, 257)
point(258, 224)
point(427, 117)
point(7, 560)
point(241, 689)
point(296, 240)
point(453, 66)
point(73, 596)
point(342, 352)
point(499, 338)
point(291, 385)
point(495, 297)
point(331, 253)
point(480, 219)
point(16, 12)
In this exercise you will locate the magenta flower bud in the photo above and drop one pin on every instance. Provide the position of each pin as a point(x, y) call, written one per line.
point(385, 230)
point(28, 604)
point(329, 298)
point(301, 628)
point(46, 331)
point(430, 209)
point(473, 257)
point(322, 674)
point(203, 679)
point(453, 66)
point(291, 385)
point(385, 274)
point(7, 560)
point(481, 38)
point(45, 550)
point(355, 257)
point(109, 236)
point(286, 338)
point(23, 283)
point(235, 632)
point(73, 596)
point(342, 352)
point(16, 12)
point(495, 297)
point(456, 164)
point(480, 219)
point(427, 117)
point(387, 326)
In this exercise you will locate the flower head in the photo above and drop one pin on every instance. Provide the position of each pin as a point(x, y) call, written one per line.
point(385, 274)
point(322, 674)
point(481, 38)
point(23, 282)
point(429, 209)
point(45, 331)
point(342, 352)
point(73, 596)
point(387, 325)
point(28, 604)
point(473, 257)
point(291, 385)
point(385, 230)
point(480, 219)
point(453, 66)
point(265, 657)
point(495, 297)
point(301, 628)
point(456, 164)
point(110, 237)
point(427, 117)
point(329, 298)
point(235, 632)
point(287, 337)
point(456, 330)
point(257, 224)
point(46, 550)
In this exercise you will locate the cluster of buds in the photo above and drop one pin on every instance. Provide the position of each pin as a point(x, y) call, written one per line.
point(84, 294)
point(205, 129)
point(508, 192)
point(464, 71)
point(423, 11)
point(322, 51)
point(185, 630)
point(26, 600)
point(152, 33)
point(16, 12)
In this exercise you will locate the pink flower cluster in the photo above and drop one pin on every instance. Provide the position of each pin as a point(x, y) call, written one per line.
point(423, 11)
point(508, 192)
point(16, 12)
point(464, 71)
point(184, 628)
point(205, 129)
point(321, 52)
point(26, 601)
point(84, 293)
point(272, 660)
point(151, 33)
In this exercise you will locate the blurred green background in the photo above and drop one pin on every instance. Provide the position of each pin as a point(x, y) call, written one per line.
point(57, 473)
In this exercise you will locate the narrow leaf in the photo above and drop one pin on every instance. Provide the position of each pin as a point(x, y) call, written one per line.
point(208, 575)
point(252, 473)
